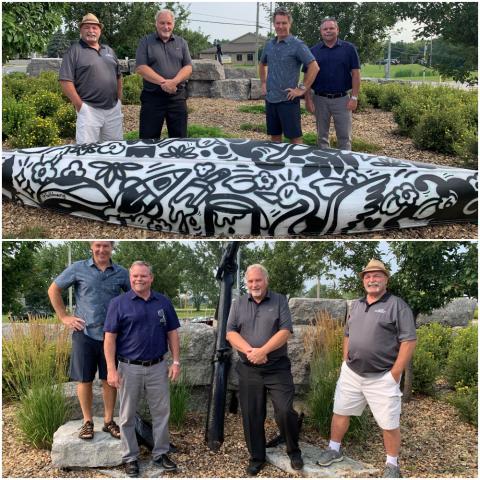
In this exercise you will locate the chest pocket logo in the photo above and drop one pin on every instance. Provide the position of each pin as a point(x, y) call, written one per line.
point(380, 310)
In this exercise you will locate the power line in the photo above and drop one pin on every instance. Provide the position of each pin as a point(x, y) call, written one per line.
point(227, 23)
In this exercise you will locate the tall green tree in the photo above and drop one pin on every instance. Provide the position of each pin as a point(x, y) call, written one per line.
point(125, 23)
point(365, 24)
point(57, 45)
point(455, 23)
point(28, 26)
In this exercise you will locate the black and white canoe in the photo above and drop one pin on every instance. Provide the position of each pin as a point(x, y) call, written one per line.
point(230, 187)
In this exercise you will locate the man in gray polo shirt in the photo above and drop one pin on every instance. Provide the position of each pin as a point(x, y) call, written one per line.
point(163, 60)
point(91, 79)
point(96, 281)
point(259, 326)
point(379, 342)
point(279, 72)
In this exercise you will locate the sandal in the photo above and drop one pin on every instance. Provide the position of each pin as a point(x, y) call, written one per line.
point(86, 432)
point(112, 428)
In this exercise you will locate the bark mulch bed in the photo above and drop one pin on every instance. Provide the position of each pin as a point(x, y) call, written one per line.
point(373, 126)
point(436, 443)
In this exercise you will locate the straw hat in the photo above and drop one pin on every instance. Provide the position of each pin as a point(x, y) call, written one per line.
point(91, 18)
point(374, 266)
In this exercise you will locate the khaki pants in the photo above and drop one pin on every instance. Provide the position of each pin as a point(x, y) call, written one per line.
point(95, 125)
point(325, 109)
point(153, 381)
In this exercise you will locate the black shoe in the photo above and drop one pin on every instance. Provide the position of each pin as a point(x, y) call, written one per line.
point(296, 461)
point(131, 469)
point(254, 468)
point(165, 463)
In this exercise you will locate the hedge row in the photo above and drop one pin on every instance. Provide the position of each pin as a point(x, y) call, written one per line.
point(441, 119)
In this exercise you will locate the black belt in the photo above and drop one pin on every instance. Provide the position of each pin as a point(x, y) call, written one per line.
point(144, 363)
point(331, 95)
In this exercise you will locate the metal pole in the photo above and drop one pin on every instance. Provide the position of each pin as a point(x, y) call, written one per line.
point(256, 37)
point(389, 58)
point(424, 60)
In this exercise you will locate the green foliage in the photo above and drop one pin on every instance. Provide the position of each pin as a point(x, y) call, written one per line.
point(42, 411)
point(57, 45)
point(324, 339)
point(201, 131)
point(15, 114)
point(37, 132)
point(433, 343)
point(27, 26)
point(16, 84)
point(466, 147)
point(66, 118)
point(180, 393)
point(391, 95)
point(465, 400)
point(45, 103)
point(258, 127)
point(372, 92)
point(132, 88)
point(358, 145)
point(462, 361)
point(46, 81)
point(252, 108)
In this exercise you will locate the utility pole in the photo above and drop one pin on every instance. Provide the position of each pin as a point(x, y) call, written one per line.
point(424, 60)
point(256, 37)
point(431, 51)
point(70, 289)
point(389, 59)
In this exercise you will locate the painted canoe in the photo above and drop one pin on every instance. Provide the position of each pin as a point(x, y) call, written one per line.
point(230, 187)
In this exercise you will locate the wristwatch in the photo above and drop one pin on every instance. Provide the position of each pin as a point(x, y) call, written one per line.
point(353, 97)
point(175, 362)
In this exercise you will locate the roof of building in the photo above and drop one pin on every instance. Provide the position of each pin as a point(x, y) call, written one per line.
point(245, 43)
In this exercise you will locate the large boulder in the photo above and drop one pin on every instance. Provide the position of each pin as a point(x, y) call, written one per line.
point(458, 313)
point(207, 70)
point(199, 88)
point(39, 65)
point(70, 451)
point(255, 89)
point(232, 89)
point(305, 310)
point(232, 72)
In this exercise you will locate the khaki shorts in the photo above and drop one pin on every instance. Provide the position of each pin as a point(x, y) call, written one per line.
point(381, 393)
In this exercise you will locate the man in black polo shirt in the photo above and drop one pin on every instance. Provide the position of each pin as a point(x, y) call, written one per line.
point(379, 342)
point(163, 60)
point(339, 74)
point(259, 326)
point(90, 77)
point(141, 326)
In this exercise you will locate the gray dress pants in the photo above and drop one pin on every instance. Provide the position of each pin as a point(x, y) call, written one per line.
point(325, 109)
point(153, 381)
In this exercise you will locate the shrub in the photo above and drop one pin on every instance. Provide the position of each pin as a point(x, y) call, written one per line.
point(362, 102)
point(37, 132)
point(132, 88)
point(46, 103)
point(14, 116)
point(465, 400)
point(407, 114)
point(180, 393)
point(17, 84)
point(47, 81)
point(372, 93)
point(33, 354)
point(391, 95)
point(425, 370)
point(66, 118)
point(324, 339)
point(42, 411)
point(462, 361)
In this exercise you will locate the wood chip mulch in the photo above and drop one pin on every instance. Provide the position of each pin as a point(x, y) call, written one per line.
point(435, 443)
point(373, 126)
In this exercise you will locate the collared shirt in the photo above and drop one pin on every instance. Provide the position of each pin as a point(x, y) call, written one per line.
point(336, 65)
point(141, 325)
point(93, 291)
point(258, 322)
point(375, 332)
point(94, 74)
point(165, 58)
point(284, 59)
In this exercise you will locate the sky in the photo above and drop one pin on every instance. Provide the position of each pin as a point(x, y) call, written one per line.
point(216, 18)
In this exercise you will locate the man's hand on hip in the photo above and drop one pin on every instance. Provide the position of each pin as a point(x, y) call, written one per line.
point(75, 323)
point(293, 93)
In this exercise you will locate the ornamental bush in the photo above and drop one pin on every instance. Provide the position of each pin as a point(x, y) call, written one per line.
point(65, 118)
point(465, 400)
point(17, 84)
point(132, 88)
point(391, 95)
point(37, 132)
point(14, 116)
point(372, 92)
point(45, 103)
point(462, 361)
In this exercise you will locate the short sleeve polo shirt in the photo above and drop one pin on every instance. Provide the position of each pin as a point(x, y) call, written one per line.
point(141, 325)
point(93, 73)
point(375, 332)
point(93, 291)
point(336, 65)
point(284, 59)
point(258, 322)
point(165, 58)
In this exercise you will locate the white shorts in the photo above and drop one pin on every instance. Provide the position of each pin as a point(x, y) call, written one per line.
point(96, 125)
point(382, 394)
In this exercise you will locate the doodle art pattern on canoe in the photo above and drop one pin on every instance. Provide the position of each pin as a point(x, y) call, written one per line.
point(234, 186)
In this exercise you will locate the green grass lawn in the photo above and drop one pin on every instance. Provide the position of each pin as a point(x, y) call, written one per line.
point(411, 71)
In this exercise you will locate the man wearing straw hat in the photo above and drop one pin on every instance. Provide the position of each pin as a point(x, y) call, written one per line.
point(90, 77)
point(378, 344)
